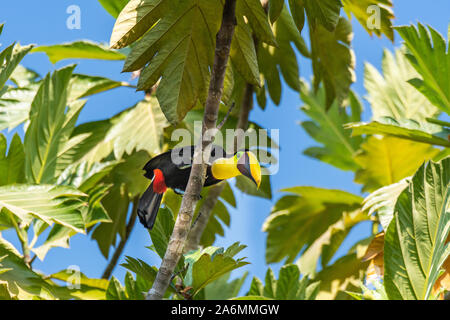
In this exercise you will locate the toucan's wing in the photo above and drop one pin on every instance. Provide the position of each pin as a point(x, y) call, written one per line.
point(179, 157)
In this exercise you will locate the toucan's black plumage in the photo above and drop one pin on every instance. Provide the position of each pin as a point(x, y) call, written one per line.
point(165, 173)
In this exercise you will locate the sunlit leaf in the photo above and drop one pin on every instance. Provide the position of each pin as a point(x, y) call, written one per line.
point(52, 204)
point(427, 52)
point(79, 50)
point(390, 95)
point(299, 219)
point(407, 129)
point(181, 59)
point(333, 60)
point(326, 127)
point(374, 15)
point(383, 161)
point(415, 242)
point(209, 264)
point(11, 165)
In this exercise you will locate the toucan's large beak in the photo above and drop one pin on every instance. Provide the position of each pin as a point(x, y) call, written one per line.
point(249, 166)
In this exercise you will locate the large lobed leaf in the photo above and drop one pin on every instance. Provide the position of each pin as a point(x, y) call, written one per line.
point(16, 101)
point(11, 165)
point(299, 219)
point(326, 246)
point(371, 12)
point(9, 60)
point(114, 7)
point(288, 286)
point(333, 60)
point(178, 48)
point(209, 264)
point(79, 50)
point(429, 55)
point(17, 279)
point(326, 127)
point(52, 204)
point(405, 129)
point(390, 95)
point(383, 161)
point(415, 242)
point(51, 123)
point(281, 59)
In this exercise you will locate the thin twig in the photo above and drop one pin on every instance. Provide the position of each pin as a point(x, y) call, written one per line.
point(198, 171)
point(226, 116)
point(115, 258)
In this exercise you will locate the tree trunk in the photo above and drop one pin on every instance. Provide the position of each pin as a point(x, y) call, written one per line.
point(197, 176)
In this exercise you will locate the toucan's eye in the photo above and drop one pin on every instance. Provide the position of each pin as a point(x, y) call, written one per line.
point(239, 155)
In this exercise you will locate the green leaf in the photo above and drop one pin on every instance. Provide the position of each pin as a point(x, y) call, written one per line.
point(288, 286)
point(179, 49)
point(162, 230)
point(415, 242)
point(221, 289)
point(140, 268)
point(257, 18)
point(329, 242)
point(275, 8)
point(51, 123)
point(333, 60)
point(283, 58)
point(128, 182)
point(9, 60)
point(80, 286)
point(135, 19)
point(382, 201)
point(299, 219)
point(138, 128)
point(429, 56)
point(228, 194)
point(297, 9)
point(390, 96)
point(326, 127)
point(58, 204)
point(15, 105)
point(82, 85)
point(243, 53)
point(406, 129)
point(113, 6)
point(23, 77)
point(116, 203)
point(383, 161)
point(326, 12)
point(16, 102)
point(345, 274)
point(115, 290)
point(22, 282)
point(247, 186)
point(79, 50)
point(11, 165)
point(366, 13)
point(209, 264)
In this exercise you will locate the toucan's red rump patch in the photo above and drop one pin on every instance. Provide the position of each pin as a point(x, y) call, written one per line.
point(159, 184)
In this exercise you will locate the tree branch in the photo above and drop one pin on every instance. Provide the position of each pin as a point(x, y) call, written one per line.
point(115, 258)
point(205, 212)
point(196, 232)
point(197, 176)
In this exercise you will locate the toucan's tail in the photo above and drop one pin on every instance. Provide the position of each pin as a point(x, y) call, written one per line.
point(148, 207)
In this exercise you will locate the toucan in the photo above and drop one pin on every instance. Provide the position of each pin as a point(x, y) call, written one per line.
point(171, 169)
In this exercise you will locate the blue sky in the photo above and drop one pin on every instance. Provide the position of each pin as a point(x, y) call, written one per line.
point(44, 23)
